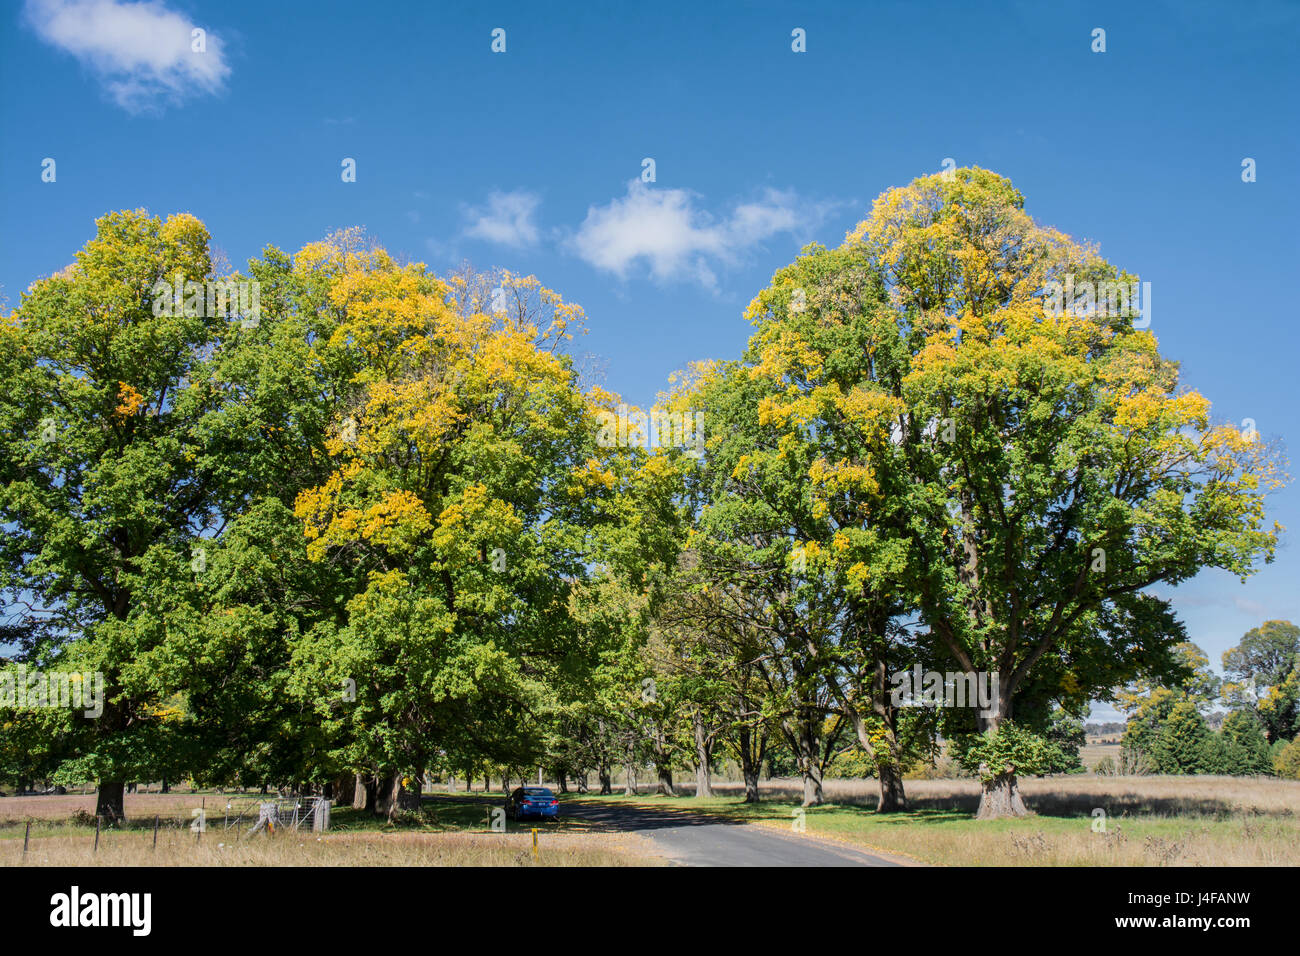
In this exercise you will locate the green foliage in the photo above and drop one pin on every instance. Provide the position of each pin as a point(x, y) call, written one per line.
point(1244, 741)
point(383, 530)
point(1264, 675)
point(1181, 745)
point(1011, 749)
point(1066, 736)
point(1286, 763)
point(109, 475)
point(1172, 736)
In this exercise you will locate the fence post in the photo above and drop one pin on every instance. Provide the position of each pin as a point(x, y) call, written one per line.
point(155, 831)
point(27, 836)
point(320, 819)
point(97, 818)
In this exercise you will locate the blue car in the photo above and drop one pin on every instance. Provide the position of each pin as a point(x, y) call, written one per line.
point(532, 802)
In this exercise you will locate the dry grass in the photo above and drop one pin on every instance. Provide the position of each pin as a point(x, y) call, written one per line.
point(63, 834)
point(1038, 843)
point(1094, 751)
point(139, 806)
point(1071, 794)
point(1056, 841)
point(180, 848)
point(1150, 821)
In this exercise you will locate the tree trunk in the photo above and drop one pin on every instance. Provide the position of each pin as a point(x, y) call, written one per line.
point(166, 787)
point(663, 765)
point(1001, 798)
point(892, 797)
point(387, 792)
point(629, 780)
point(812, 786)
point(751, 753)
point(809, 764)
point(751, 784)
point(406, 795)
point(606, 782)
point(362, 792)
point(109, 802)
point(562, 780)
point(665, 788)
point(703, 759)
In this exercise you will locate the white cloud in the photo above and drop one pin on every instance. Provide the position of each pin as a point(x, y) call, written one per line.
point(1249, 606)
point(663, 229)
point(141, 52)
point(507, 219)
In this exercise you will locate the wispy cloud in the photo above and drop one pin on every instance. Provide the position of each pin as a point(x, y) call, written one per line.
point(1248, 606)
point(143, 53)
point(664, 231)
point(507, 219)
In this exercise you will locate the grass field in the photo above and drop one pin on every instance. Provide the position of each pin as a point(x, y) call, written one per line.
point(446, 833)
point(1151, 821)
point(1096, 748)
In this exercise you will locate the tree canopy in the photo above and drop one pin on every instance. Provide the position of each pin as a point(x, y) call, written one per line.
point(369, 524)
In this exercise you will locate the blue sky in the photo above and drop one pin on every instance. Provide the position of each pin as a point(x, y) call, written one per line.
point(530, 159)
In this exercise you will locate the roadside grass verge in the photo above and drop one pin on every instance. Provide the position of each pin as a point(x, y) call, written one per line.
point(177, 848)
point(1149, 821)
point(449, 830)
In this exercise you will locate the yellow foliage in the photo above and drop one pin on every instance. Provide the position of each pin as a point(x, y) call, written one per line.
point(128, 401)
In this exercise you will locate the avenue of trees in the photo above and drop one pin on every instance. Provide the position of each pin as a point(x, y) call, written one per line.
point(378, 530)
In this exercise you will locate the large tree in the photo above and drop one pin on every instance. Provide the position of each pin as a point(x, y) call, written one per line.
point(1061, 466)
point(1263, 674)
point(467, 503)
point(109, 472)
point(824, 375)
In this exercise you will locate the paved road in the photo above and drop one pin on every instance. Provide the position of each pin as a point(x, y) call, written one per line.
point(689, 839)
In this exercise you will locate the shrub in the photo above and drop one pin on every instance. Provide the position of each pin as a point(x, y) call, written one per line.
point(1012, 749)
point(1181, 746)
point(1244, 733)
point(1287, 762)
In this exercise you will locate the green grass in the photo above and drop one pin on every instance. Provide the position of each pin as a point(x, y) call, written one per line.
point(1149, 822)
point(954, 837)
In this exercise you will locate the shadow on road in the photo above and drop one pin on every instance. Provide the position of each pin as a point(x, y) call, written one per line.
point(600, 816)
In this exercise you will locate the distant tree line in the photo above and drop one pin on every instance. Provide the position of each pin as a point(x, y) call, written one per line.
point(1169, 732)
